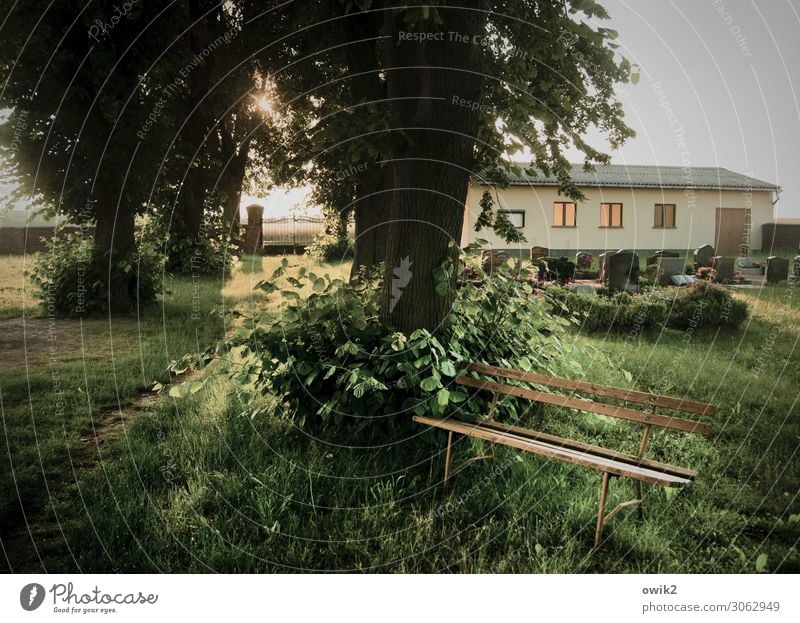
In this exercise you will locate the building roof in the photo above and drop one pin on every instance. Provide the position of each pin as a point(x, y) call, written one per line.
point(650, 176)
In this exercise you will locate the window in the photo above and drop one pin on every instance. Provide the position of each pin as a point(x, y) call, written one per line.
point(517, 217)
point(610, 215)
point(563, 214)
point(664, 216)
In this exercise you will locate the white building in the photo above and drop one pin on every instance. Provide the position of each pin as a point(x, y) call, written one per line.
point(641, 208)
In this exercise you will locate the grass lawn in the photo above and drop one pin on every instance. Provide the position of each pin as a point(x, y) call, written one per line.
point(197, 485)
point(62, 380)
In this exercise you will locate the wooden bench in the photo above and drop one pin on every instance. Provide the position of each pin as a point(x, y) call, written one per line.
point(610, 462)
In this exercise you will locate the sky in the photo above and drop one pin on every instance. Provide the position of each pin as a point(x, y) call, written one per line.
point(723, 73)
point(717, 87)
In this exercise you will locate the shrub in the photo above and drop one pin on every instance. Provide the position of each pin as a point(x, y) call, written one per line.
point(560, 269)
point(71, 278)
point(702, 305)
point(330, 247)
point(328, 357)
point(706, 305)
point(211, 251)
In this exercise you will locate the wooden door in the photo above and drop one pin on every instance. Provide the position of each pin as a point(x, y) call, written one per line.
point(732, 229)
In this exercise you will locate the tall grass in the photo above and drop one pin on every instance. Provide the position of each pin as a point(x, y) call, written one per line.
point(200, 485)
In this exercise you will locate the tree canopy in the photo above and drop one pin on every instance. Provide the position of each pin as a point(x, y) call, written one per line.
point(387, 111)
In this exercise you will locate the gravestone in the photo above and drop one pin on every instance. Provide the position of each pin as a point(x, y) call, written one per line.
point(623, 271)
point(491, 259)
point(725, 269)
point(671, 266)
point(604, 258)
point(253, 233)
point(683, 280)
point(579, 261)
point(653, 259)
point(703, 256)
point(777, 269)
point(539, 252)
point(744, 261)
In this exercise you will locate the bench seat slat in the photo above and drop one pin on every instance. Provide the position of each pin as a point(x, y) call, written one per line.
point(596, 450)
point(589, 405)
point(600, 463)
point(669, 402)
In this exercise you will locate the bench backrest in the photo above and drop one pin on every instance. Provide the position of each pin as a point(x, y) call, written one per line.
point(650, 418)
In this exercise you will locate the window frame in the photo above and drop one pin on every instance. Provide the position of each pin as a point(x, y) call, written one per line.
point(563, 205)
point(611, 205)
point(662, 208)
point(522, 212)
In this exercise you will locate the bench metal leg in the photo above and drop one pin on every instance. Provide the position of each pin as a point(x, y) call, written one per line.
point(601, 512)
point(447, 460)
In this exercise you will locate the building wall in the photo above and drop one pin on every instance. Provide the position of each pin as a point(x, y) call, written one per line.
point(781, 236)
point(695, 220)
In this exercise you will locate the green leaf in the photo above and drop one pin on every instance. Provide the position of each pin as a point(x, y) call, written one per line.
point(178, 391)
point(761, 563)
point(429, 384)
point(443, 397)
point(447, 368)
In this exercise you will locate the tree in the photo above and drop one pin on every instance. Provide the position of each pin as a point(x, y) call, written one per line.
point(72, 79)
point(466, 87)
point(428, 96)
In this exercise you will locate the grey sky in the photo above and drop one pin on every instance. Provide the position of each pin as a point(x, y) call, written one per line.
point(730, 72)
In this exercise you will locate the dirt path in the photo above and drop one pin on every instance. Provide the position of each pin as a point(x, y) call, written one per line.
point(28, 546)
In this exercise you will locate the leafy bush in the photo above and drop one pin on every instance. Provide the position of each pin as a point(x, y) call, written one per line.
point(707, 305)
point(702, 305)
point(560, 269)
point(71, 278)
point(211, 251)
point(330, 247)
point(328, 357)
point(601, 313)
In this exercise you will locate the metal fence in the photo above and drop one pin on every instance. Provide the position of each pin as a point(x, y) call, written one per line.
point(291, 230)
point(294, 231)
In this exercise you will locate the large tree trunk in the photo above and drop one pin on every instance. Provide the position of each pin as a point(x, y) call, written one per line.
point(115, 241)
point(232, 179)
point(430, 175)
point(371, 212)
point(371, 206)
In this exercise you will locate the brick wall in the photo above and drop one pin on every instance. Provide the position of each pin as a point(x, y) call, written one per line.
point(19, 240)
point(780, 236)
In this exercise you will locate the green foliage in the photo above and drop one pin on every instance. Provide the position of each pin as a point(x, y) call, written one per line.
point(703, 305)
point(72, 277)
point(560, 269)
point(707, 305)
point(328, 357)
point(497, 220)
point(210, 252)
point(333, 245)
